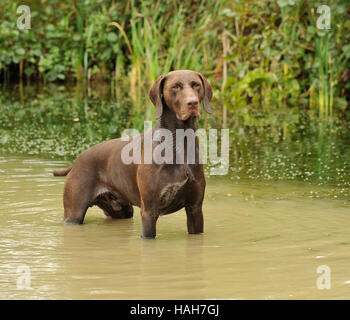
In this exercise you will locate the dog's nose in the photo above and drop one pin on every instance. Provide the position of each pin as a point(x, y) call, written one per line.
point(192, 103)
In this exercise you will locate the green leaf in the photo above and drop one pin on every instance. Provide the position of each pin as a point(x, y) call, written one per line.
point(28, 71)
point(340, 103)
point(20, 51)
point(227, 12)
point(112, 37)
point(76, 37)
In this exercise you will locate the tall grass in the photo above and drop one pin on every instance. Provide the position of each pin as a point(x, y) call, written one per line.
point(159, 42)
point(325, 69)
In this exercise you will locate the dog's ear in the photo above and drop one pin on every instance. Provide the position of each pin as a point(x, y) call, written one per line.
point(156, 95)
point(208, 93)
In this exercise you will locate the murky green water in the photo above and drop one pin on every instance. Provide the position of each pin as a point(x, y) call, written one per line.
point(263, 240)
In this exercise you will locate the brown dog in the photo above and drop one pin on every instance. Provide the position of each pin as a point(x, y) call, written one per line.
point(100, 177)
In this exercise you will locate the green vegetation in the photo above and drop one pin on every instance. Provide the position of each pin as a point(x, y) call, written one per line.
point(255, 53)
point(278, 80)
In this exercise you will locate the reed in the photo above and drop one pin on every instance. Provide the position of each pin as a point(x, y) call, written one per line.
point(325, 69)
point(157, 43)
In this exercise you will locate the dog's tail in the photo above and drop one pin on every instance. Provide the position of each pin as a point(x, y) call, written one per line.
point(61, 173)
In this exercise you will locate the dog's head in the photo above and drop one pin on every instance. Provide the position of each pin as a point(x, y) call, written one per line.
point(181, 91)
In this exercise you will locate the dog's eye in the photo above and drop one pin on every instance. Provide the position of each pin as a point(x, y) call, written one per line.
point(177, 86)
point(195, 85)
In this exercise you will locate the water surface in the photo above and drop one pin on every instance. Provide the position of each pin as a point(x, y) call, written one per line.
point(264, 239)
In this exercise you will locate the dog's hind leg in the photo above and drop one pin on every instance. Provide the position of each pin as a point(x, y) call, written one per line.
point(76, 199)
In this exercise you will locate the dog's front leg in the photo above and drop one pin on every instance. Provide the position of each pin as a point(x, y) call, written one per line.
point(194, 219)
point(149, 222)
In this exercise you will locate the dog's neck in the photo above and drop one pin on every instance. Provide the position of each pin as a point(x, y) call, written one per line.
point(168, 120)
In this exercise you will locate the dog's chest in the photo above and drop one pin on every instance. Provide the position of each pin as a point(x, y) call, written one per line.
point(173, 183)
point(169, 192)
point(171, 197)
